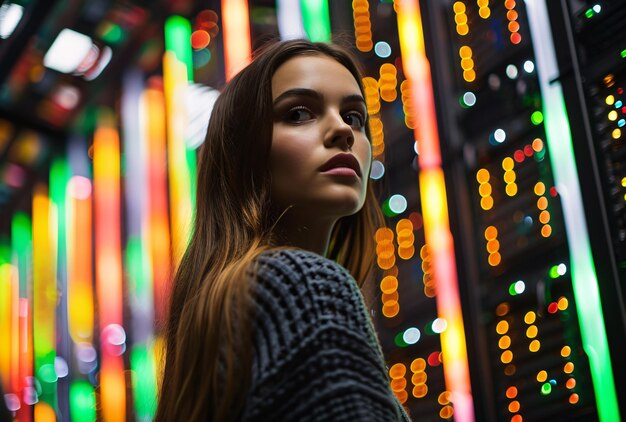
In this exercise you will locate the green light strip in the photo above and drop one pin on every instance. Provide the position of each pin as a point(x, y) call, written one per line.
point(82, 402)
point(144, 381)
point(22, 246)
point(584, 279)
point(316, 19)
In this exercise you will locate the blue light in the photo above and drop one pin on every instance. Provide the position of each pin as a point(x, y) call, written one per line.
point(378, 170)
point(397, 204)
point(382, 49)
point(618, 103)
point(621, 122)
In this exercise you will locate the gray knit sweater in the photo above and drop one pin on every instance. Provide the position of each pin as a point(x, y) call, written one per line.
point(316, 356)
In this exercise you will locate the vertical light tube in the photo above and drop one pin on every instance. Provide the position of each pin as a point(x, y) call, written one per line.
point(236, 30)
point(584, 278)
point(106, 169)
point(7, 336)
point(44, 293)
point(316, 18)
point(435, 209)
point(175, 77)
point(289, 17)
point(157, 234)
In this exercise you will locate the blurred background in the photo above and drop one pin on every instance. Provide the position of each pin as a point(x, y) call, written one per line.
point(498, 138)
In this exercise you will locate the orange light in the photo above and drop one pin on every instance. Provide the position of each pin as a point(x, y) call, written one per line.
point(573, 398)
point(418, 365)
point(507, 356)
point(542, 376)
point(534, 346)
point(544, 217)
point(420, 391)
point(486, 203)
point(446, 412)
point(570, 383)
point(504, 342)
point(397, 370)
point(389, 284)
point(530, 317)
point(502, 327)
point(502, 309)
point(444, 398)
point(494, 259)
point(531, 332)
point(568, 368)
point(391, 309)
point(566, 351)
point(419, 378)
point(516, 418)
point(491, 232)
point(546, 230)
point(236, 30)
point(398, 384)
point(542, 203)
point(514, 406)
point(511, 392)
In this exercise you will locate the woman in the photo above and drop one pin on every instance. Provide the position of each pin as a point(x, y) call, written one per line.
point(262, 326)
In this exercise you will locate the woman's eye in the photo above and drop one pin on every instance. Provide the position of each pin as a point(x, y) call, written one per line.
point(355, 119)
point(299, 114)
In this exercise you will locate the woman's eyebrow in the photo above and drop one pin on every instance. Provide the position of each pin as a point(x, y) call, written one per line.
point(298, 92)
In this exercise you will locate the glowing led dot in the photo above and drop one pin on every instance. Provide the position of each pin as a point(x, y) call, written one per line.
point(546, 230)
point(546, 388)
point(597, 8)
point(529, 66)
point(542, 203)
point(568, 368)
point(530, 317)
point(420, 391)
point(484, 189)
point(509, 176)
point(553, 308)
point(499, 135)
point(618, 103)
point(389, 284)
point(511, 189)
point(612, 115)
point(573, 398)
point(511, 392)
point(491, 232)
point(561, 269)
point(570, 383)
point(517, 288)
point(566, 351)
point(469, 99)
point(439, 325)
point(504, 342)
point(510, 370)
point(493, 246)
point(502, 309)
point(514, 406)
point(542, 376)
point(516, 418)
point(397, 203)
point(507, 356)
point(540, 188)
point(462, 29)
point(419, 376)
point(516, 38)
point(536, 118)
point(563, 303)
point(469, 75)
point(511, 70)
point(624, 182)
point(544, 217)
point(616, 133)
point(531, 332)
point(446, 412)
point(537, 145)
point(200, 39)
point(458, 7)
point(382, 49)
point(411, 335)
point(534, 346)
point(622, 122)
point(397, 371)
point(610, 100)
point(378, 170)
point(494, 259)
point(502, 327)
point(465, 52)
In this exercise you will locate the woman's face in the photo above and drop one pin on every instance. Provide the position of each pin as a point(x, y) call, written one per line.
point(320, 155)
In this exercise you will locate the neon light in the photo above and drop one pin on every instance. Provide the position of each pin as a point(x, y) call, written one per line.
point(106, 170)
point(316, 19)
point(237, 45)
point(584, 279)
point(44, 293)
point(289, 16)
point(8, 293)
point(433, 193)
point(82, 402)
point(181, 174)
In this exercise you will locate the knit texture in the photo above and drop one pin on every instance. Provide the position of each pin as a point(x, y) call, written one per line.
point(316, 356)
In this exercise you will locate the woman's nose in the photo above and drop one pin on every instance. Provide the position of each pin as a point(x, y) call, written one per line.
point(339, 132)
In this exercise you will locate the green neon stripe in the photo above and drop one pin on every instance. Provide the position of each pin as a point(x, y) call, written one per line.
point(316, 19)
point(22, 245)
point(562, 158)
point(144, 382)
point(82, 402)
point(178, 41)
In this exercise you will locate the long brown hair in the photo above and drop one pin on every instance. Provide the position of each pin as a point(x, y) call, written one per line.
point(209, 331)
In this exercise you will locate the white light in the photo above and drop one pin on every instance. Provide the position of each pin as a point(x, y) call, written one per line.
point(439, 325)
point(499, 135)
point(469, 98)
point(561, 269)
point(10, 16)
point(378, 170)
point(200, 101)
point(382, 49)
point(415, 147)
point(397, 204)
point(60, 367)
point(494, 81)
point(104, 60)
point(520, 287)
point(529, 66)
point(67, 52)
point(511, 71)
point(597, 8)
point(289, 18)
point(411, 335)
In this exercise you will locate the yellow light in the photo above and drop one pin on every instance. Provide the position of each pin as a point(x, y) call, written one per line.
point(484, 189)
point(482, 176)
point(460, 19)
point(514, 406)
point(613, 115)
point(458, 7)
point(610, 100)
point(469, 75)
point(511, 392)
point(491, 232)
point(530, 317)
point(507, 356)
point(566, 351)
point(502, 327)
point(531, 332)
point(544, 217)
point(562, 303)
point(542, 203)
point(494, 259)
point(486, 203)
point(465, 52)
point(534, 346)
point(467, 64)
point(540, 188)
point(389, 284)
point(568, 368)
point(509, 176)
point(418, 365)
point(511, 189)
point(504, 342)
point(462, 29)
point(624, 182)
point(546, 230)
point(397, 370)
point(507, 164)
point(542, 376)
point(616, 133)
point(484, 12)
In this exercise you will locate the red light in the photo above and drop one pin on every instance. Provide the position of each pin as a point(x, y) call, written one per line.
point(528, 151)
point(200, 39)
point(553, 307)
point(553, 192)
point(620, 91)
point(433, 359)
point(519, 156)
point(516, 38)
point(624, 110)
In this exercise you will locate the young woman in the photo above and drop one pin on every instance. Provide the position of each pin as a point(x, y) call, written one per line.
point(266, 321)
